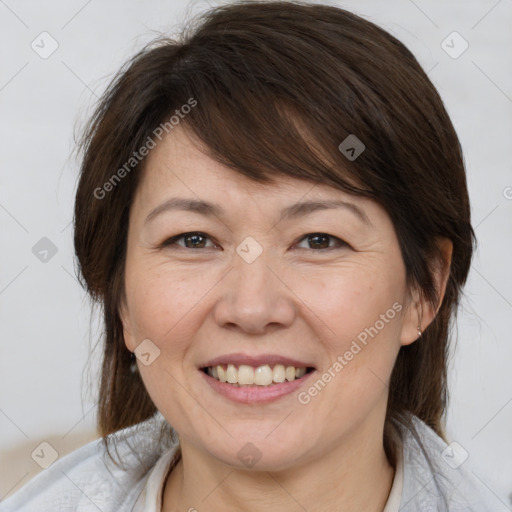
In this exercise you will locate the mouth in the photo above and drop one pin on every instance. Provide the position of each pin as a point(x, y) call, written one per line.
point(264, 375)
point(253, 380)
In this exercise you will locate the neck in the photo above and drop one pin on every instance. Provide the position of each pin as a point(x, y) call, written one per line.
point(353, 477)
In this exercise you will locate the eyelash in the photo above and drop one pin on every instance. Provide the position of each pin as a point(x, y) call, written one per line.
point(172, 240)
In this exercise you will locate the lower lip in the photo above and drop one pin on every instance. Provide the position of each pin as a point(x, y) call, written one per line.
point(256, 394)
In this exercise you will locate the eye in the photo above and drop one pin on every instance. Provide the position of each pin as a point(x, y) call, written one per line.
point(193, 240)
point(197, 240)
point(321, 241)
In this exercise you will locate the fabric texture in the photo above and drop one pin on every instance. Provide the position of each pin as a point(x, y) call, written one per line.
point(427, 477)
point(395, 495)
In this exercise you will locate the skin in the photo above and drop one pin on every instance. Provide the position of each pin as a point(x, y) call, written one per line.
point(296, 299)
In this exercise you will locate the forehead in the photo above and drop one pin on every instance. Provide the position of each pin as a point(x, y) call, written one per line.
point(179, 171)
point(180, 163)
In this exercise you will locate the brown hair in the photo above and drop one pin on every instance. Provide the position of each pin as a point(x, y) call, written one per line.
point(278, 86)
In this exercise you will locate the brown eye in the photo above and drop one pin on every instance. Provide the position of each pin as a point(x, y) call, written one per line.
point(321, 241)
point(193, 240)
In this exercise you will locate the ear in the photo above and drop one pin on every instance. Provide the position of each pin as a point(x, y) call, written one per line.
point(419, 312)
point(129, 339)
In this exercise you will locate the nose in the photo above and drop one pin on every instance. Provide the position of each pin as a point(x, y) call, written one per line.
point(254, 297)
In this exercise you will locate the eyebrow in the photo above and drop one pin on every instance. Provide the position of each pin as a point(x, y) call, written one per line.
point(293, 211)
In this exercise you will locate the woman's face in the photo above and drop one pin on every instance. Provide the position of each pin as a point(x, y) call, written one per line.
point(266, 286)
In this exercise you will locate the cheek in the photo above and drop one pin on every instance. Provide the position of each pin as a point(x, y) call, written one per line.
point(160, 303)
point(361, 313)
point(350, 300)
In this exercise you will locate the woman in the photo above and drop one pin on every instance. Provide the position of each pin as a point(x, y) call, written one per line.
point(273, 213)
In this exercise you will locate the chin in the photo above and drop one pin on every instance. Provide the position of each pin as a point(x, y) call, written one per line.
point(256, 450)
point(252, 458)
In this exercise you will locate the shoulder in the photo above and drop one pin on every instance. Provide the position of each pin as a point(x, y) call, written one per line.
point(437, 476)
point(87, 479)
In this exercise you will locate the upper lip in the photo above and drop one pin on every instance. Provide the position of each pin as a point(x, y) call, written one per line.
point(255, 361)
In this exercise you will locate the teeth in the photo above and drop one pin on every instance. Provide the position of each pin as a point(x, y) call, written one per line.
point(279, 373)
point(245, 374)
point(290, 373)
point(231, 374)
point(299, 372)
point(221, 373)
point(261, 376)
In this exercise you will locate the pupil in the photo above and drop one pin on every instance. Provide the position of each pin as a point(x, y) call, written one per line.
point(324, 245)
point(194, 237)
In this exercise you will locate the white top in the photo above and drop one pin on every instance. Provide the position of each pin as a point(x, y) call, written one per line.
point(395, 495)
point(150, 499)
point(430, 476)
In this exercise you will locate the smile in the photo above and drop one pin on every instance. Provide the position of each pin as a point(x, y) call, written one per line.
point(254, 381)
point(263, 375)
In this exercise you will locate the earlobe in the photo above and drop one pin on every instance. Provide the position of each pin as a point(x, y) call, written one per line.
point(413, 321)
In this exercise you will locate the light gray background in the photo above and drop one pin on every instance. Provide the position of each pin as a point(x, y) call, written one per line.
point(46, 331)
